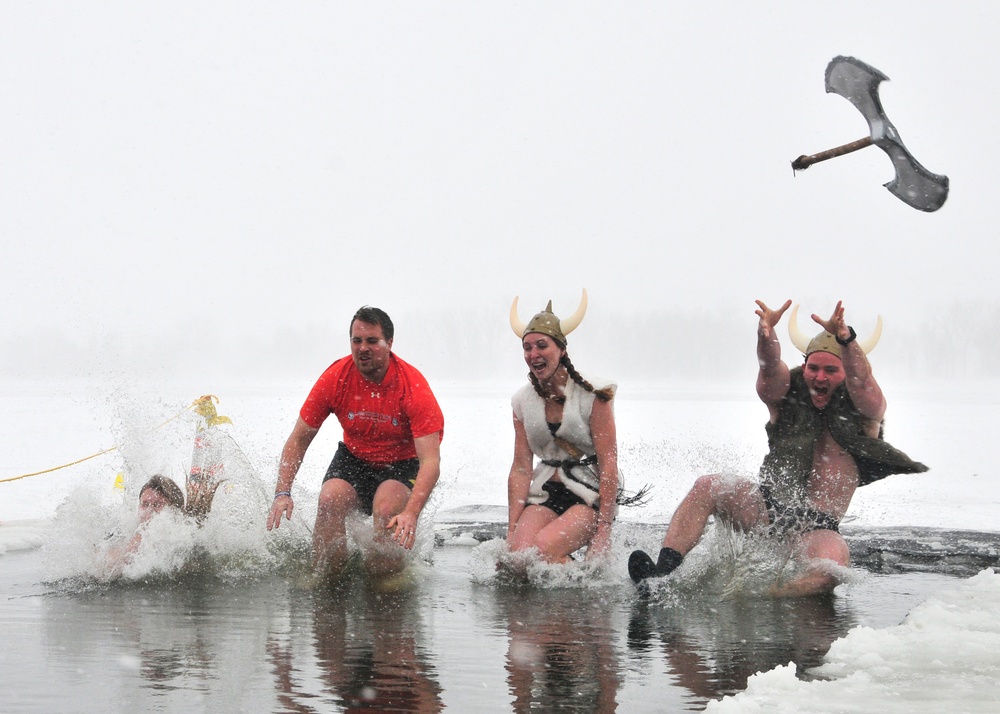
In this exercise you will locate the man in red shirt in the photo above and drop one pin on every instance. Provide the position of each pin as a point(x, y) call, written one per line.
point(390, 457)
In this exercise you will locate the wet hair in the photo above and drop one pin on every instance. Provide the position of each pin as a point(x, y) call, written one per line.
point(374, 316)
point(605, 395)
point(166, 488)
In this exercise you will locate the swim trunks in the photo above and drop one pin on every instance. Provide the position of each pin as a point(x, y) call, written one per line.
point(787, 519)
point(366, 477)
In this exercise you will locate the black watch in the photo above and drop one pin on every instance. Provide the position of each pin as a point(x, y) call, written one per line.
point(849, 340)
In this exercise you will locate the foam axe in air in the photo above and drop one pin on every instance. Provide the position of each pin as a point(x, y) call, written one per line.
point(858, 83)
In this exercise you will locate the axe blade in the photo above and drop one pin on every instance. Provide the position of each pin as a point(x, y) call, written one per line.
point(858, 83)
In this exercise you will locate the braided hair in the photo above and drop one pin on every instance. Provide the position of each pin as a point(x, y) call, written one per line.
point(605, 395)
point(623, 497)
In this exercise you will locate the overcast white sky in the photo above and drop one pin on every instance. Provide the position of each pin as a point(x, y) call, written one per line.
point(176, 171)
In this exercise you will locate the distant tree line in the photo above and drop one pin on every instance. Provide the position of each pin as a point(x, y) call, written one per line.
point(957, 342)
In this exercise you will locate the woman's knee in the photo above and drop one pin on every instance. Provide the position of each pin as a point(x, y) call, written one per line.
point(569, 532)
point(523, 539)
point(551, 546)
point(519, 540)
point(529, 526)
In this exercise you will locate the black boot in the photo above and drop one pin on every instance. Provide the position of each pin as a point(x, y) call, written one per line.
point(641, 566)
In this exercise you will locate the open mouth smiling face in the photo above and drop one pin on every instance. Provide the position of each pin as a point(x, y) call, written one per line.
point(823, 373)
point(542, 355)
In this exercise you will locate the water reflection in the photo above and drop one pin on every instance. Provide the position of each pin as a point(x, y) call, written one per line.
point(710, 648)
point(561, 652)
point(156, 645)
point(368, 646)
point(264, 644)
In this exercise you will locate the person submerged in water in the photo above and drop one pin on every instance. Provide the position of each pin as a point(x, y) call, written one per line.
point(567, 500)
point(205, 475)
point(157, 495)
point(825, 439)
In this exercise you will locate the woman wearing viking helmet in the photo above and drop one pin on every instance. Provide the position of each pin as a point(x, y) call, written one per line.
point(568, 499)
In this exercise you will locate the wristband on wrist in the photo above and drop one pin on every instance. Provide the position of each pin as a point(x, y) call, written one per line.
point(279, 494)
point(849, 340)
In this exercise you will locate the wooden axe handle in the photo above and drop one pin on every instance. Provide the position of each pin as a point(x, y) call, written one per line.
point(804, 162)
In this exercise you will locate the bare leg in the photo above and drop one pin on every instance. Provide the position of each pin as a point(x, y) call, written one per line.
point(820, 549)
point(554, 536)
point(530, 523)
point(390, 499)
point(737, 501)
point(337, 498)
point(566, 534)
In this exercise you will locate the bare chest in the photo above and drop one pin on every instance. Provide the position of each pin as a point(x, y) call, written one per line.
point(831, 460)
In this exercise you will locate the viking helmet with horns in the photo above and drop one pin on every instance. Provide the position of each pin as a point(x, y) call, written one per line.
point(546, 323)
point(824, 341)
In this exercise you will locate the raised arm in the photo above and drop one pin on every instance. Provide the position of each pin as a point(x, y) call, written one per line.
point(861, 385)
point(292, 455)
point(773, 377)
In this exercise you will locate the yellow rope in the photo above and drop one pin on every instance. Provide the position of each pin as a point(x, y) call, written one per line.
point(56, 468)
point(195, 403)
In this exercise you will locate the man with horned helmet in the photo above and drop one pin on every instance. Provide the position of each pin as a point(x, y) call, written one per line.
point(825, 439)
point(389, 461)
point(567, 500)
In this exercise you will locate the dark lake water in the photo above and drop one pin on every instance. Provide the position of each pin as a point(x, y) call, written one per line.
point(449, 636)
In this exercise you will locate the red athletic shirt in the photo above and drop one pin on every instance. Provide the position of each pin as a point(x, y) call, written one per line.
point(380, 420)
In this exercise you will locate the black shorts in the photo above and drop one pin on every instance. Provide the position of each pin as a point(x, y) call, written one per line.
point(788, 519)
point(366, 477)
point(561, 499)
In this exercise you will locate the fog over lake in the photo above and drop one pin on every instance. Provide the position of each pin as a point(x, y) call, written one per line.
point(214, 189)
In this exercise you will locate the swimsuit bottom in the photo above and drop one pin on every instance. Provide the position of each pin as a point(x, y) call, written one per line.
point(788, 519)
point(560, 499)
point(366, 477)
